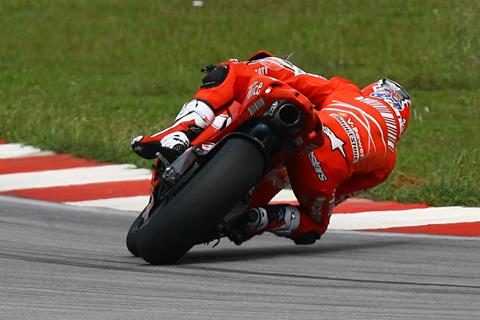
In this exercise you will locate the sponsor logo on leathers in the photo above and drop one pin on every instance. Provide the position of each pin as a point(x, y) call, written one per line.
point(357, 136)
point(335, 142)
point(351, 136)
point(317, 167)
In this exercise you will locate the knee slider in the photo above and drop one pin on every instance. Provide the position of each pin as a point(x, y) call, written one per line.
point(307, 238)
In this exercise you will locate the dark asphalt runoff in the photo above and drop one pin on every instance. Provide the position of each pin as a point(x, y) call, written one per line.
point(63, 262)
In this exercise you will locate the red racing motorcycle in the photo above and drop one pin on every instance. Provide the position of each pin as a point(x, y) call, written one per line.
point(200, 196)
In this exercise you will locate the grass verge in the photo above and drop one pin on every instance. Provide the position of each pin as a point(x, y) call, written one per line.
point(84, 77)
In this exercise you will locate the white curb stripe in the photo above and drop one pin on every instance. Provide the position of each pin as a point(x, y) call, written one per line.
point(17, 150)
point(126, 203)
point(404, 218)
point(139, 202)
point(75, 176)
point(357, 221)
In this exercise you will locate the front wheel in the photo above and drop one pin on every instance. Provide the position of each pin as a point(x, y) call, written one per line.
point(176, 226)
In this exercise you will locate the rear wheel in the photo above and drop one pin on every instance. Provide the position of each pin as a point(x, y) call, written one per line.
point(174, 227)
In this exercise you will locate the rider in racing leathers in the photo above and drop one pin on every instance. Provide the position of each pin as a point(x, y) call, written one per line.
point(361, 128)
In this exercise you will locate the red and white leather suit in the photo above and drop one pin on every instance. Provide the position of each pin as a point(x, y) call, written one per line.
point(361, 129)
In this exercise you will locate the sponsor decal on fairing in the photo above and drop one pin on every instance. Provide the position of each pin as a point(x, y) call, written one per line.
point(254, 89)
point(272, 109)
point(262, 71)
point(257, 105)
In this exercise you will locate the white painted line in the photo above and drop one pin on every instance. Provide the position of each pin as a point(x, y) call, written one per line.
point(125, 203)
point(17, 150)
point(75, 176)
point(404, 218)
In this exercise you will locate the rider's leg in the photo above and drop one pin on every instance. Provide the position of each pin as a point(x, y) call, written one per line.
point(194, 116)
point(313, 177)
point(283, 219)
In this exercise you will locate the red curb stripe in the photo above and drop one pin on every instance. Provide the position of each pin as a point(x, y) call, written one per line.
point(362, 205)
point(91, 191)
point(40, 163)
point(466, 229)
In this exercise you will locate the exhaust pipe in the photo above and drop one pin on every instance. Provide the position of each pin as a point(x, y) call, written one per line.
point(287, 115)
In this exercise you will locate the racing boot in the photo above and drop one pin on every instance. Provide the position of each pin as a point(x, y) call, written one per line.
point(278, 219)
point(193, 118)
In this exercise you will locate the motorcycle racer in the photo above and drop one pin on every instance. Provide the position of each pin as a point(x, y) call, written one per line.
point(355, 151)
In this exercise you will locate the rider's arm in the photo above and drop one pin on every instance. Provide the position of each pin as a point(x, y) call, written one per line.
point(224, 84)
point(317, 88)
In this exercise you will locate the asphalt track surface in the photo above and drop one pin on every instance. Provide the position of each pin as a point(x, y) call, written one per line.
point(62, 262)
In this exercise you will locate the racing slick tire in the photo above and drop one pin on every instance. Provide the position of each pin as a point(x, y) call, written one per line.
point(175, 226)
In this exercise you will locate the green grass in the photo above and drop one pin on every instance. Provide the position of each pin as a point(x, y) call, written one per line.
point(84, 77)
